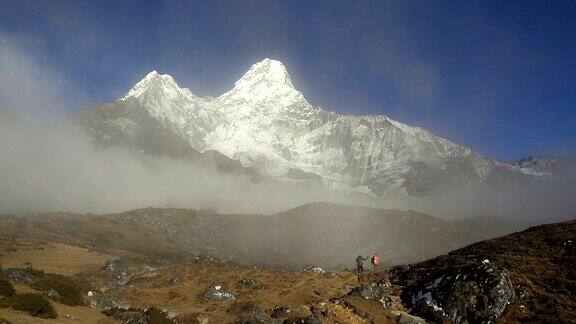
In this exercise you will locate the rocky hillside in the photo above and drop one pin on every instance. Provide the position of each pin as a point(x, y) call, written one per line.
point(328, 235)
point(533, 270)
point(120, 269)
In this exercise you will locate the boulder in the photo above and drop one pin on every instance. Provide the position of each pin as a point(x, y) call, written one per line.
point(218, 293)
point(473, 293)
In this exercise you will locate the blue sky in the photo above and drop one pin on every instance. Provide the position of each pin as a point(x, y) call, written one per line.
point(496, 76)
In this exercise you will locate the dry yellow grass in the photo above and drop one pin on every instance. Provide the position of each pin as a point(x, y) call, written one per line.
point(54, 257)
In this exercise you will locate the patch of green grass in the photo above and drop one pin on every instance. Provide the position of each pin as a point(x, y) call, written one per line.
point(6, 288)
point(35, 304)
point(5, 302)
point(71, 292)
point(158, 316)
point(34, 272)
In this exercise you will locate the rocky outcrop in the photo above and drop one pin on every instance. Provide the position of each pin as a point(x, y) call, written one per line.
point(380, 291)
point(474, 293)
point(119, 280)
point(115, 265)
point(19, 275)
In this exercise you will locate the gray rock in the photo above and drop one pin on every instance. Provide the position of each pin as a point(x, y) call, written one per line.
point(19, 275)
point(218, 293)
point(135, 318)
point(379, 291)
point(53, 294)
point(475, 293)
point(103, 303)
point(115, 265)
point(315, 269)
point(176, 280)
point(281, 311)
point(119, 280)
point(519, 292)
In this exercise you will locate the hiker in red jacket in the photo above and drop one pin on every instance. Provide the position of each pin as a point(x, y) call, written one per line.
point(375, 261)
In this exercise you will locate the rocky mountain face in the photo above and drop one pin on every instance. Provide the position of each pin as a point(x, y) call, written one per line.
point(265, 123)
point(547, 165)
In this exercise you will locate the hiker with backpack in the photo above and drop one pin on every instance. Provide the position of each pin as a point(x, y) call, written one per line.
point(360, 264)
point(375, 261)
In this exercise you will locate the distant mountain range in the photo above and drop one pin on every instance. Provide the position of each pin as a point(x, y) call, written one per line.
point(264, 124)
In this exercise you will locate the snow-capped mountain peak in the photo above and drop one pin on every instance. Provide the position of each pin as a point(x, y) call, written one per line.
point(163, 98)
point(155, 85)
point(266, 123)
point(267, 80)
point(265, 72)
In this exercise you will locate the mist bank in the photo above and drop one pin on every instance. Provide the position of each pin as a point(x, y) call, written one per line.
point(325, 234)
point(51, 164)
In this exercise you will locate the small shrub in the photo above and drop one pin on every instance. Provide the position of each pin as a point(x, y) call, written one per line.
point(34, 272)
point(5, 303)
point(158, 316)
point(6, 288)
point(35, 304)
point(70, 291)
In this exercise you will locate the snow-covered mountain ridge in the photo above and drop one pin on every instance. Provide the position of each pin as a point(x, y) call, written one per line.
point(266, 123)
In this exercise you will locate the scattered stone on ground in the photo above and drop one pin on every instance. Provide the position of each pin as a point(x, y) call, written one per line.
point(176, 280)
point(19, 275)
point(115, 265)
point(315, 269)
point(218, 293)
point(119, 279)
point(281, 311)
point(102, 302)
point(130, 316)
